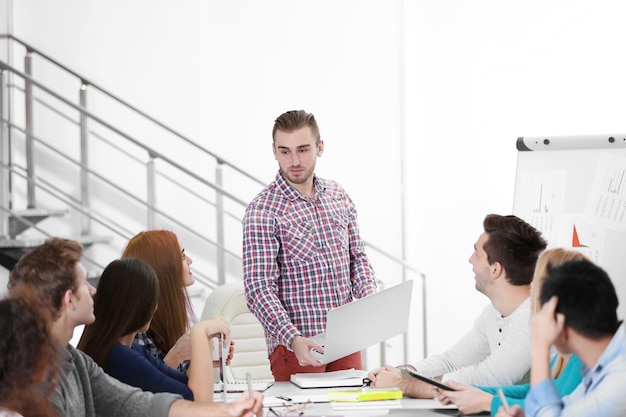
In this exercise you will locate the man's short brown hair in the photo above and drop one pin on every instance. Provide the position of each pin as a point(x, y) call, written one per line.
point(49, 270)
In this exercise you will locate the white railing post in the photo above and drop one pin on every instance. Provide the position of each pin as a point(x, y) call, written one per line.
point(30, 166)
point(84, 164)
point(151, 192)
point(219, 218)
point(4, 162)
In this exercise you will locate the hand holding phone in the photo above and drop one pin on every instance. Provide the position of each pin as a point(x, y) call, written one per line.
point(429, 380)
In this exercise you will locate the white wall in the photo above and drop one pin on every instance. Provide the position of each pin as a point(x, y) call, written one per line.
point(443, 86)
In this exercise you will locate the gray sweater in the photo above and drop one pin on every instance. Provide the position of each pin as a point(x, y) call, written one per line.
point(87, 391)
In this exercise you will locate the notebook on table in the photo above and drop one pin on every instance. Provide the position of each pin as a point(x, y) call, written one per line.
point(364, 322)
point(343, 378)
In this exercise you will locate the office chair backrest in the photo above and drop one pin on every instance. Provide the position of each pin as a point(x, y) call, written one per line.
point(250, 349)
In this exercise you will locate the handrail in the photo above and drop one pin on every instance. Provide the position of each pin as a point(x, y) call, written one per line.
point(119, 189)
point(117, 131)
point(221, 160)
point(165, 158)
point(76, 206)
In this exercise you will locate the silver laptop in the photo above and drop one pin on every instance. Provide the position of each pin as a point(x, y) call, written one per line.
point(364, 322)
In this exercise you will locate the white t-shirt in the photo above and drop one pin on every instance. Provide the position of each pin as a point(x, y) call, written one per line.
point(496, 352)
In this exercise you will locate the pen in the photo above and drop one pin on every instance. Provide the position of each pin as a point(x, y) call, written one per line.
point(223, 368)
point(366, 384)
point(250, 394)
point(503, 399)
point(274, 412)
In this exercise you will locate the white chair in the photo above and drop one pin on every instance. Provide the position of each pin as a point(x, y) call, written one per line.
point(245, 329)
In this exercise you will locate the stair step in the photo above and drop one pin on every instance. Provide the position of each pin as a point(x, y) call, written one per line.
point(40, 212)
point(17, 224)
point(12, 249)
point(86, 241)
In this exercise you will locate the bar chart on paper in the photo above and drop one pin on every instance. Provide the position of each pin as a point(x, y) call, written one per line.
point(606, 205)
point(540, 200)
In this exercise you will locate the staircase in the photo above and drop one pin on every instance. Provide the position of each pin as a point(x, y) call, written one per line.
point(100, 173)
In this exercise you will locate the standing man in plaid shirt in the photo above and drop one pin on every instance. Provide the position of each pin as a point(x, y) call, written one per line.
point(302, 252)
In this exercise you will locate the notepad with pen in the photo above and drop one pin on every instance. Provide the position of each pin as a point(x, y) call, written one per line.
point(367, 394)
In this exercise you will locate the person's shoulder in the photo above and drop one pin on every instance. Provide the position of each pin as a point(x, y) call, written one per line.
point(8, 413)
point(121, 353)
point(331, 186)
point(267, 193)
point(268, 200)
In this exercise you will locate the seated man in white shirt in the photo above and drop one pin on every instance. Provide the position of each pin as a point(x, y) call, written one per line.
point(496, 351)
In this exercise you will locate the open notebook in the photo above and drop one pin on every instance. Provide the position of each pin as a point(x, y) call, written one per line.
point(343, 378)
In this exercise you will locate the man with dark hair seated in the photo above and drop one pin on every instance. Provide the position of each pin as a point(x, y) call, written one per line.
point(578, 315)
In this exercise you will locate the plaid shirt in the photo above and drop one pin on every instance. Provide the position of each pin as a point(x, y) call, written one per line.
point(145, 339)
point(302, 257)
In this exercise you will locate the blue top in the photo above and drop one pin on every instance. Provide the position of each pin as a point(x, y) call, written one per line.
point(565, 383)
point(601, 392)
point(139, 368)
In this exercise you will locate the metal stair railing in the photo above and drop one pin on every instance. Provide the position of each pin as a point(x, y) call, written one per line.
point(225, 203)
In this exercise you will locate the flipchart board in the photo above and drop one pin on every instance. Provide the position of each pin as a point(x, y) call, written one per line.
point(573, 189)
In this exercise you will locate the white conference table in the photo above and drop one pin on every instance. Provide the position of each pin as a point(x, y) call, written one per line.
point(409, 406)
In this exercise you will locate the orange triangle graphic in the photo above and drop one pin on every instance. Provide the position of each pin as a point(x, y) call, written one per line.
point(575, 240)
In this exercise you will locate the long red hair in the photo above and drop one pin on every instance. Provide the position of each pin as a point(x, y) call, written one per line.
point(161, 250)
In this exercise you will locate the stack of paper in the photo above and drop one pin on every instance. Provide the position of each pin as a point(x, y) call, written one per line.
point(241, 386)
point(345, 378)
point(366, 405)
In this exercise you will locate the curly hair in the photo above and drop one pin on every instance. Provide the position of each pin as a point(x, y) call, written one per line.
point(30, 364)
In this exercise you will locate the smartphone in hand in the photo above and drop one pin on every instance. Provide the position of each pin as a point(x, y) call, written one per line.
point(429, 380)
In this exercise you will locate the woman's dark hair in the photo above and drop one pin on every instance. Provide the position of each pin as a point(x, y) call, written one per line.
point(127, 297)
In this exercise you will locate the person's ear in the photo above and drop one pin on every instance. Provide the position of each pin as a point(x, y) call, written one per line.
point(66, 302)
point(320, 148)
point(496, 269)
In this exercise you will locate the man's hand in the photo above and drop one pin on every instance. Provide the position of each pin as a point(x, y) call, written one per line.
point(385, 377)
point(469, 399)
point(547, 324)
point(302, 346)
point(547, 327)
point(390, 376)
